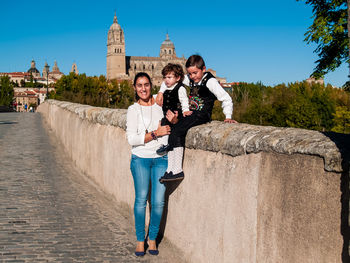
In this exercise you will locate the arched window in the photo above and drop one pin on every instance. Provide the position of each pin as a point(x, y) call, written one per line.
point(169, 51)
point(135, 67)
point(144, 67)
point(152, 66)
point(115, 50)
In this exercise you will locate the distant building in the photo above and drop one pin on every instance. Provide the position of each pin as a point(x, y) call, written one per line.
point(23, 98)
point(56, 73)
point(17, 77)
point(74, 69)
point(33, 70)
point(120, 66)
point(228, 86)
point(312, 80)
point(33, 74)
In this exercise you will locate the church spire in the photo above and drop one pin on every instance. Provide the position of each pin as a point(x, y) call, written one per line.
point(115, 20)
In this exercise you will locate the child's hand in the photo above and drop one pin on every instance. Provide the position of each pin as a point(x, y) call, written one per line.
point(159, 99)
point(172, 116)
point(230, 121)
point(187, 113)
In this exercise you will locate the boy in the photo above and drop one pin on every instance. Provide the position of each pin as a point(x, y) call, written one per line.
point(175, 95)
point(205, 89)
point(175, 100)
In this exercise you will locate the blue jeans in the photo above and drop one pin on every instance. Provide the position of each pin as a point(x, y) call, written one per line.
point(146, 171)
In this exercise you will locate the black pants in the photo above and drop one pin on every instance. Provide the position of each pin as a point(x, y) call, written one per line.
point(179, 130)
point(164, 121)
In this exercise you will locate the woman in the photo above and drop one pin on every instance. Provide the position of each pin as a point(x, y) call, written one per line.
point(146, 135)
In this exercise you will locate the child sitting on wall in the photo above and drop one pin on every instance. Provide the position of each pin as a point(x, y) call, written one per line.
point(204, 90)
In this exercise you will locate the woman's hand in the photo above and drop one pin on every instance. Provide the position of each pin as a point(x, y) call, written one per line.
point(230, 121)
point(172, 116)
point(159, 99)
point(162, 130)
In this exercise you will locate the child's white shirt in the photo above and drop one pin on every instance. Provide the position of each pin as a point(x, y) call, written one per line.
point(214, 87)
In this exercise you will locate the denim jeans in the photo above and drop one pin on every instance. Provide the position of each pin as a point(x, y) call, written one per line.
point(146, 171)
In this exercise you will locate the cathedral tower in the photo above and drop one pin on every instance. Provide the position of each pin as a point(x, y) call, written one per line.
point(116, 67)
point(167, 49)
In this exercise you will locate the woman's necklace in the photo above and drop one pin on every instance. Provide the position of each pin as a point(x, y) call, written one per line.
point(144, 121)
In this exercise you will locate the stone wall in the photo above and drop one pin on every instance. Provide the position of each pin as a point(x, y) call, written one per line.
point(250, 193)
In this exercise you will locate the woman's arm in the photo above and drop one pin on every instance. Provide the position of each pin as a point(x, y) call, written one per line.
point(161, 131)
point(135, 138)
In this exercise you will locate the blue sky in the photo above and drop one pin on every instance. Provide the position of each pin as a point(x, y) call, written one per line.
point(242, 40)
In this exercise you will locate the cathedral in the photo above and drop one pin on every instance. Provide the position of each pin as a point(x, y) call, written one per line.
point(120, 66)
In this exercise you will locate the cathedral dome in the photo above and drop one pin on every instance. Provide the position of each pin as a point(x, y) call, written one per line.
point(115, 26)
point(33, 70)
point(167, 42)
point(167, 49)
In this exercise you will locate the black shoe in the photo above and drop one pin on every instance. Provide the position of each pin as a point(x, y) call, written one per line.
point(164, 149)
point(166, 175)
point(153, 252)
point(140, 253)
point(172, 177)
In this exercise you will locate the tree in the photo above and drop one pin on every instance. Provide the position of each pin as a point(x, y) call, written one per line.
point(330, 31)
point(342, 120)
point(6, 91)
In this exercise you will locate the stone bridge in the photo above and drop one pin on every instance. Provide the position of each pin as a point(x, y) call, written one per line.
point(251, 193)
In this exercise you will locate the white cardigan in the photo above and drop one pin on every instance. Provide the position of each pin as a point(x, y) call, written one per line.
point(139, 118)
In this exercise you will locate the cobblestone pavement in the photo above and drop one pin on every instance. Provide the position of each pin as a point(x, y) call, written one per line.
point(49, 212)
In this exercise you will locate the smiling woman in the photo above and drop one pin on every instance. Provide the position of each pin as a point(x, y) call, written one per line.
point(146, 135)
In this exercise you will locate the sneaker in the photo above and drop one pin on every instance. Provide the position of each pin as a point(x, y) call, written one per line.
point(172, 177)
point(164, 149)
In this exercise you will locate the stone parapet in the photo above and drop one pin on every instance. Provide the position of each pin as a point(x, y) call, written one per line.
point(238, 139)
point(250, 194)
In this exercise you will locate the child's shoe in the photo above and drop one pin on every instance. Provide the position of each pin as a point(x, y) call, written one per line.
point(165, 176)
point(172, 177)
point(164, 149)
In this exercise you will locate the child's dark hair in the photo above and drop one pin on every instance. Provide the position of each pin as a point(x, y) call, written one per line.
point(174, 68)
point(141, 75)
point(195, 60)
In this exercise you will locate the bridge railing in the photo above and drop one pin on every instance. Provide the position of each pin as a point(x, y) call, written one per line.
point(250, 193)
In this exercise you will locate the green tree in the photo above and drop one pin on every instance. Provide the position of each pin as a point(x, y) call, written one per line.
point(342, 120)
point(6, 91)
point(121, 94)
point(329, 31)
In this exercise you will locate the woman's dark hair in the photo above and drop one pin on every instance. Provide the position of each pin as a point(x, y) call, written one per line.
point(141, 75)
point(174, 68)
point(195, 60)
